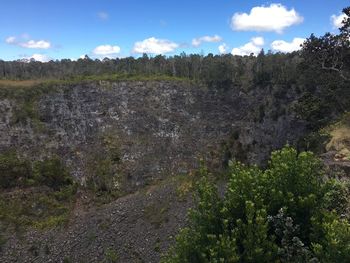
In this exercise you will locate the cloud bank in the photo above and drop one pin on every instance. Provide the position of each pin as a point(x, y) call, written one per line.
point(40, 44)
point(286, 47)
point(275, 17)
point(253, 47)
point(196, 42)
point(154, 46)
point(106, 50)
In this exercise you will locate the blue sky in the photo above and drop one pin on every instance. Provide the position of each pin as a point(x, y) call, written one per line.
point(48, 29)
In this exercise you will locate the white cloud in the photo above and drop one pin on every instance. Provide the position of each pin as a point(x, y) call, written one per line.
point(337, 20)
point(275, 17)
point(154, 46)
point(286, 47)
point(106, 50)
point(223, 48)
point(258, 41)
point(103, 15)
point(37, 57)
point(10, 40)
point(254, 46)
point(198, 41)
point(40, 44)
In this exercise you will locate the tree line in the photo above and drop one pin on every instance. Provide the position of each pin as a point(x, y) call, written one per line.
point(213, 69)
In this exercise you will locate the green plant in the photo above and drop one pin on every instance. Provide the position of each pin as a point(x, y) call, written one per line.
point(111, 256)
point(19, 172)
point(281, 214)
point(13, 170)
point(157, 245)
point(335, 247)
point(46, 203)
point(51, 172)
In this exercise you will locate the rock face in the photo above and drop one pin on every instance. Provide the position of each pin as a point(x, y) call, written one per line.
point(149, 129)
point(138, 132)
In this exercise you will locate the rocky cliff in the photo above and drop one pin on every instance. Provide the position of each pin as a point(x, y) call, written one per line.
point(139, 136)
point(149, 130)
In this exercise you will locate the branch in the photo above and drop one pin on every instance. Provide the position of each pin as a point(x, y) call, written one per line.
point(333, 68)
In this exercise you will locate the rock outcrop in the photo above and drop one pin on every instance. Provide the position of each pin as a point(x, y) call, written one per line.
point(138, 132)
point(153, 129)
point(150, 129)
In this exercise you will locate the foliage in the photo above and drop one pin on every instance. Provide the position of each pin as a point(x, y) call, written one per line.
point(104, 177)
point(103, 180)
point(40, 208)
point(37, 193)
point(219, 71)
point(335, 247)
point(13, 171)
point(26, 98)
point(324, 76)
point(281, 214)
point(331, 52)
point(111, 256)
point(20, 172)
point(52, 173)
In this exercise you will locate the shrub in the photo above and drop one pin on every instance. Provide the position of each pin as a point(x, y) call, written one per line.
point(17, 172)
point(281, 214)
point(13, 171)
point(52, 173)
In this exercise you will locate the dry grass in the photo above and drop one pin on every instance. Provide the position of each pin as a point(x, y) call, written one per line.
point(340, 137)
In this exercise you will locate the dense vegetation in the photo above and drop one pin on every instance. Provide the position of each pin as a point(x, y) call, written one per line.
point(34, 193)
point(286, 213)
point(18, 172)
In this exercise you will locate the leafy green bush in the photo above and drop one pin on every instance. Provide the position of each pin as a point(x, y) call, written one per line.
point(13, 171)
point(52, 173)
point(282, 214)
point(19, 172)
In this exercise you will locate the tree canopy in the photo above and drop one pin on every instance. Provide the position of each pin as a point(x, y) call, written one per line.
point(286, 213)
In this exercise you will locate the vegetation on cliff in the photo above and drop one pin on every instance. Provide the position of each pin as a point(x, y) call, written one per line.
point(286, 213)
point(34, 193)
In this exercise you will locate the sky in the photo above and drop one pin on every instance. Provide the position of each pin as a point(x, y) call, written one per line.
point(49, 30)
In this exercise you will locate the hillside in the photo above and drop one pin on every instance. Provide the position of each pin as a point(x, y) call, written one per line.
point(117, 137)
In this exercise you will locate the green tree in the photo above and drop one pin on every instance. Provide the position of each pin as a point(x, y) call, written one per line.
point(331, 52)
point(276, 215)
